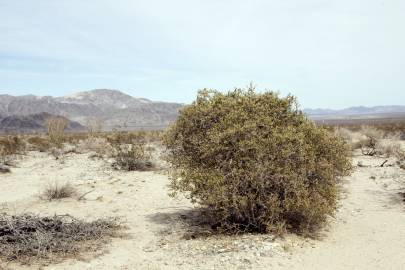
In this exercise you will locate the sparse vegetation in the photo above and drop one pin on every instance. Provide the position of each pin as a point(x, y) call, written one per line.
point(57, 191)
point(389, 148)
point(98, 145)
point(94, 126)
point(354, 138)
point(256, 162)
point(386, 126)
point(372, 141)
point(9, 147)
point(39, 143)
point(56, 129)
point(130, 152)
point(369, 146)
point(29, 237)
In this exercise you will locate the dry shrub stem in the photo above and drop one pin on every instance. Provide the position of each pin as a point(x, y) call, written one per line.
point(26, 237)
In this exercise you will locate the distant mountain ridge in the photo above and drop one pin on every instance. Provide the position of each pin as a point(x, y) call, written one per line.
point(114, 108)
point(32, 123)
point(360, 111)
point(117, 110)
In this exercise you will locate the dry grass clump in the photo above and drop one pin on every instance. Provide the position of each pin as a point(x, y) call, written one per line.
point(256, 162)
point(57, 191)
point(29, 237)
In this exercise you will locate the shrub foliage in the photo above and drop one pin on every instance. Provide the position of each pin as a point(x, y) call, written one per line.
point(256, 161)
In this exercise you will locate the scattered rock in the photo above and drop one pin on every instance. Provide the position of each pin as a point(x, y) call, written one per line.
point(4, 169)
point(360, 164)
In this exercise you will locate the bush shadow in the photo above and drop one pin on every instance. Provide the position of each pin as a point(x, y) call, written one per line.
point(190, 223)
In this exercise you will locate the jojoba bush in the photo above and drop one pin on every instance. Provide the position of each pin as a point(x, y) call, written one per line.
point(256, 162)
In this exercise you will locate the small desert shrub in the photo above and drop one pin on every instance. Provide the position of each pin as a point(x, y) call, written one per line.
point(369, 145)
point(130, 151)
point(56, 129)
point(39, 144)
point(75, 138)
point(399, 154)
point(389, 148)
point(27, 237)
point(132, 157)
point(11, 146)
point(372, 141)
point(94, 144)
point(57, 191)
point(94, 126)
point(120, 137)
point(355, 139)
point(123, 137)
point(256, 162)
point(154, 136)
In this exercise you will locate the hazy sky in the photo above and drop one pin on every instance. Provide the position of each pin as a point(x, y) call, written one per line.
point(328, 53)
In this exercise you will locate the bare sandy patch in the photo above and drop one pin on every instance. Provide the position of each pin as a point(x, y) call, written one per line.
point(165, 233)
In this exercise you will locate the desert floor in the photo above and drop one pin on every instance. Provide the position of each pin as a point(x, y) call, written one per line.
point(368, 231)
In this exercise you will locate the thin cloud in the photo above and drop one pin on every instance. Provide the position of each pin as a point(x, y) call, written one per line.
point(328, 53)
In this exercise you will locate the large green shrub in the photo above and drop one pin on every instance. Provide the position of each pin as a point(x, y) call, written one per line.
point(255, 161)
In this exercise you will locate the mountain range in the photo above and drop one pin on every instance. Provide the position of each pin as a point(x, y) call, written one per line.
point(359, 112)
point(33, 123)
point(117, 110)
point(112, 107)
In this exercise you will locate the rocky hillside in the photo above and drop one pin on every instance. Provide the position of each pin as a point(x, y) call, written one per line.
point(114, 108)
point(32, 123)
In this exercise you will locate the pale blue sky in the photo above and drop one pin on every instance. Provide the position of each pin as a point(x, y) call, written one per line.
point(328, 53)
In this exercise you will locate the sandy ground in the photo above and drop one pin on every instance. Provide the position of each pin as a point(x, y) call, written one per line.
point(368, 231)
